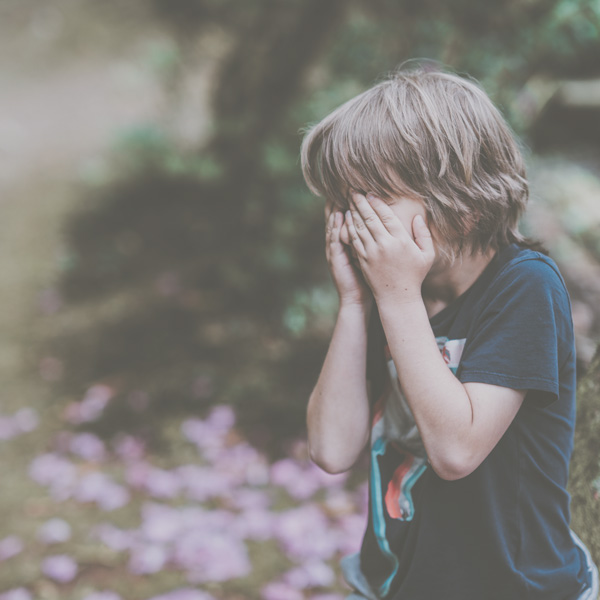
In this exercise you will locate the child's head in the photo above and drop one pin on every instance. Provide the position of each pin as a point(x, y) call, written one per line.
point(432, 136)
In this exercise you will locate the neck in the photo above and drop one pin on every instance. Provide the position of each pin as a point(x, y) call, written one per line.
point(447, 281)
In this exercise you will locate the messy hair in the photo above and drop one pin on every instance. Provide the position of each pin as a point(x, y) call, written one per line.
point(433, 136)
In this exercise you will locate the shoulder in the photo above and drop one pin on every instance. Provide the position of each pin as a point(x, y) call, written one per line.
point(531, 274)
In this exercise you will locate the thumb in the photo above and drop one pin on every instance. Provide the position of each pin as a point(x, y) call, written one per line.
point(422, 235)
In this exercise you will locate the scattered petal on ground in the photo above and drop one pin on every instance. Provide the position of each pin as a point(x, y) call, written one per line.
point(98, 487)
point(129, 448)
point(197, 518)
point(91, 407)
point(280, 591)
point(256, 524)
point(61, 568)
point(211, 556)
point(305, 533)
point(10, 546)
point(310, 574)
point(147, 558)
point(54, 531)
point(26, 419)
point(16, 594)
point(23, 421)
point(88, 446)
point(56, 472)
point(161, 483)
point(184, 594)
point(113, 537)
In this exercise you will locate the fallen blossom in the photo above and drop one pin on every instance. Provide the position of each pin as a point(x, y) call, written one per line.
point(161, 523)
point(54, 531)
point(310, 574)
point(129, 448)
point(16, 594)
point(147, 558)
point(99, 488)
point(277, 590)
point(61, 568)
point(26, 419)
point(184, 594)
point(88, 446)
point(8, 428)
point(221, 417)
point(255, 524)
point(161, 483)
point(305, 533)
point(91, 407)
point(248, 498)
point(113, 537)
point(211, 556)
point(136, 473)
point(56, 472)
point(244, 463)
point(202, 483)
point(23, 421)
point(10, 546)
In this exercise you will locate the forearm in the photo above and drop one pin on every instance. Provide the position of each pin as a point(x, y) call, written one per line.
point(439, 401)
point(338, 408)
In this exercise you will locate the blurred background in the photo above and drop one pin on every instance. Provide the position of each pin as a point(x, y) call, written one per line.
point(166, 303)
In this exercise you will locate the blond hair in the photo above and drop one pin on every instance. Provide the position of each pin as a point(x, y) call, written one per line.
point(428, 135)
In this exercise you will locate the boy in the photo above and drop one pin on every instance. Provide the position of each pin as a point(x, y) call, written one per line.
point(452, 356)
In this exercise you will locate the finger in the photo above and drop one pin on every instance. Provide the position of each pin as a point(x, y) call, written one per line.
point(334, 226)
point(368, 216)
point(328, 208)
point(357, 242)
point(386, 215)
point(338, 220)
point(423, 237)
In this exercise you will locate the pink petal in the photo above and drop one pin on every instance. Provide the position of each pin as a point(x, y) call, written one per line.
point(54, 531)
point(147, 558)
point(88, 446)
point(61, 568)
point(280, 591)
point(10, 546)
point(16, 594)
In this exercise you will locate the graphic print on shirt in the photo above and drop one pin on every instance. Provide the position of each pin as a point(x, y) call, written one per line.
point(394, 431)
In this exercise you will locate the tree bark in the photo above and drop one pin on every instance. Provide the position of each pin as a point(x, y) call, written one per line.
point(584, 482)
point(264, 71)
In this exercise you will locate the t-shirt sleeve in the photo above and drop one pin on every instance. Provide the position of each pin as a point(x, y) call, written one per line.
point(523, 334)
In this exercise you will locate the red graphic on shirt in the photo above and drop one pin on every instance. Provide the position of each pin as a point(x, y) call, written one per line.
point(394, 489)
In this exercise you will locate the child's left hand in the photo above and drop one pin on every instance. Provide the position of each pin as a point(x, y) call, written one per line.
point(392, 263)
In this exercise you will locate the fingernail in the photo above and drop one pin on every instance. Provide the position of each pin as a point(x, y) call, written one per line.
point(371, 196)
point(348, 214)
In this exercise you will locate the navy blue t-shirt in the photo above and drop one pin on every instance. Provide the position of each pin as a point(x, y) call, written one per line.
point(502, 532)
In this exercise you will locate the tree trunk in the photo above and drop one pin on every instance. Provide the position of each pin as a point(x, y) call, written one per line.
point(262, 74)
point(584, 484)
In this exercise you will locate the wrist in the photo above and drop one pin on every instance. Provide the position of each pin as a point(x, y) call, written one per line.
point(356, 309)
point(405, 302)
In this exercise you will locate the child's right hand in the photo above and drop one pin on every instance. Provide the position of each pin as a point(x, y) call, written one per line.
point(347, 277)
